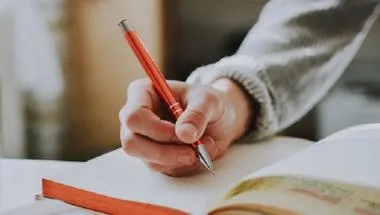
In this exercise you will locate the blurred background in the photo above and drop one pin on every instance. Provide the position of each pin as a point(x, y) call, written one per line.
point(65, 68)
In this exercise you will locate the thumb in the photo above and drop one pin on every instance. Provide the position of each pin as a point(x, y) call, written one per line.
point(191, 125)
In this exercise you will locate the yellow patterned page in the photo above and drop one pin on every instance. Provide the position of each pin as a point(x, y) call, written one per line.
point(281, 195)
point(338, 175)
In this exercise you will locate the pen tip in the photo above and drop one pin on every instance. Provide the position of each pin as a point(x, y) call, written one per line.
point(205, 158)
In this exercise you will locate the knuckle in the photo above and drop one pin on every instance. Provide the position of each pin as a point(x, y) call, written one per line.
point(138, 84)
point(210, 97)
point(132, 118)
point(213, 99)
point(128, 144)
point(122, 114)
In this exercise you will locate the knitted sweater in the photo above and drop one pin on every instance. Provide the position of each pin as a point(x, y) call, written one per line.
point(292, 56)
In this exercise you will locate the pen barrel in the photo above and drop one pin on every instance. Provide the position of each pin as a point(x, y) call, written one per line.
point(160, 85)
point(155, 76)
point(153, 73)
point(176, 109)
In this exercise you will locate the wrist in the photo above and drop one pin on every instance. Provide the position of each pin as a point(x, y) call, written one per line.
point(240, 103)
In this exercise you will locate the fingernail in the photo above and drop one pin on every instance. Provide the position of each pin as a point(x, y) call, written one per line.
point(185, 159)
point(191, 130)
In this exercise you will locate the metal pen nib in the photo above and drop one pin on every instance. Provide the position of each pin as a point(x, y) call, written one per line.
point(205, 158)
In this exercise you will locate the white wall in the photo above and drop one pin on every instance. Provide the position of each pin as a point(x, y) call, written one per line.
point(12, 142)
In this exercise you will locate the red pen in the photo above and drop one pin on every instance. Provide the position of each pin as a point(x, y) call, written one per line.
point(161, 86)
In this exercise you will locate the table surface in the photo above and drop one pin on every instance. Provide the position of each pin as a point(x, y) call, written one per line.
point(20, 180)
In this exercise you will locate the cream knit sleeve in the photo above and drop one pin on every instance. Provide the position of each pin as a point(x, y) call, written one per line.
point(292, 56)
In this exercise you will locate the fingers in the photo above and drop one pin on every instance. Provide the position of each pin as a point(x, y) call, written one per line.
point(158, 153)
point(138, 115)
point(187, 170)
point(141, 94)
point(176, 171)
point(202, 108)
point(144, 122)
point(169, 159)
point(144, 134)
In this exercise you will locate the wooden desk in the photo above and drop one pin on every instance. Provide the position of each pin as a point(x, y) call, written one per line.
point(20, 180)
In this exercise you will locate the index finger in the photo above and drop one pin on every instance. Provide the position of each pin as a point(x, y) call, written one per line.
point(140, 113)
point(141, 93)
point(138, 96)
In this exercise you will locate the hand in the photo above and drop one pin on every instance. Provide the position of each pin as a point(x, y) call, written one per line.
point(217, 114)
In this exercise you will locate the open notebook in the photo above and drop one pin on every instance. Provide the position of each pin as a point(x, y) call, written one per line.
point(338, 175)
point(117, 175)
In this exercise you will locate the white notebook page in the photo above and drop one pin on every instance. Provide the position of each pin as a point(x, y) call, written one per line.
point(351, 156)
point(117, 175)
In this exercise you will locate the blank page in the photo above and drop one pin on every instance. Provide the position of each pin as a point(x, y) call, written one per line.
point(350, 156)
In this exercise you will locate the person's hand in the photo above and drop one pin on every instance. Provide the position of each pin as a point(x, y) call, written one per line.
point(216, 114)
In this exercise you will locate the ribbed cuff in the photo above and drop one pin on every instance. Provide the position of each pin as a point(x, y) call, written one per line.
point(249, 74)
